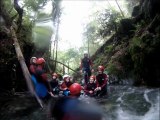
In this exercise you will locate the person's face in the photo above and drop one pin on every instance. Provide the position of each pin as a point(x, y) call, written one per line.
point(67, 79)
point(100, 72)
point(91, 80)
point(34, 60)
point(54, 77)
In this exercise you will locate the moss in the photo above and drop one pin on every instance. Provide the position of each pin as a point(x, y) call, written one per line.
point(108, 49)
point(114, 68)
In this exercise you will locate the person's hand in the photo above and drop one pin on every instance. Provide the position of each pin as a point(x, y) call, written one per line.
point(51, 94)
point(65, 88)
point(96, 89)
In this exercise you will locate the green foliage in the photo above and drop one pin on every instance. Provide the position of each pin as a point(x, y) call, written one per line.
point(71, 57)
point(109, 48)
point(137, 54)
point(34, 5)
point(10, 8)
point(91, 37)
point(98, 61)
point(113, 69)
point(42, 16)
point(108, 20)
point(140, 25)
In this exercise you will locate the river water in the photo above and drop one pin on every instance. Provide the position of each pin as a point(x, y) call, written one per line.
point(123, 103)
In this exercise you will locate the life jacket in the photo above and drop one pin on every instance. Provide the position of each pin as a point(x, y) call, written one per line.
point(86, 62)
point(101, 79)
point(54, 83)
point(41, 74)
point(91, 86)
point(66, 84)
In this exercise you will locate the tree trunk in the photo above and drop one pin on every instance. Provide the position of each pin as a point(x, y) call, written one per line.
point(56, 40)
point(119, 8)
point(23, 65)
point(20, 13)
point(64, 65)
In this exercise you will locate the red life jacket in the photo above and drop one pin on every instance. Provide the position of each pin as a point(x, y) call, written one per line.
point(101, 80)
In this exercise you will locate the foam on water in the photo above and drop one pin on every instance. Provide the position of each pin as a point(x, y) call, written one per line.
point(152, 114)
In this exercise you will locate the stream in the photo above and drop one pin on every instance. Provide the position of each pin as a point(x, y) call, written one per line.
point(123, 103)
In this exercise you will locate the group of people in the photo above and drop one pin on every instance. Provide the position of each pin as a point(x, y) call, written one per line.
point(69, 106)
point(95, 85)
point(45, 86)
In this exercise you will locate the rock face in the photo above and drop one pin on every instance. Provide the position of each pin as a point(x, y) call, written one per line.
point(135, 48)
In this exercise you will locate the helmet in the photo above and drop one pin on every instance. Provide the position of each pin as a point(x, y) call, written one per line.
point(40, 61)
point(92, 76)
point(31, 60)
point(100, 68)
point(65, 76)
point(55, 74)
point(75, 89)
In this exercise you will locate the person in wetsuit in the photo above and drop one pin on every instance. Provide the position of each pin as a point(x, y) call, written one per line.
point(101, 82)
point(86, 67)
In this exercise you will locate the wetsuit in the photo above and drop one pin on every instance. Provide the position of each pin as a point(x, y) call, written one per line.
point(101, 81)
point(55, 86)
point(90, 87)
point(42, 77)
point(86, 63)
point(65, 85)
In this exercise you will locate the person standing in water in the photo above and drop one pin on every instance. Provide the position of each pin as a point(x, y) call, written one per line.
point(86, 67)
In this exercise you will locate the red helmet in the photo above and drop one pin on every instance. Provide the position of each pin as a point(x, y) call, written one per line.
point(40, 61)
point(92, 76)
point(100, 68)
point(55, 74)
point(75, 89)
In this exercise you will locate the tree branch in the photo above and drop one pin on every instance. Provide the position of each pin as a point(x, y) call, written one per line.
point(20, 13)
point(64, 65)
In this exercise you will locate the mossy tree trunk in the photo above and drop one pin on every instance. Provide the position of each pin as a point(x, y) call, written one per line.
point(23, 65)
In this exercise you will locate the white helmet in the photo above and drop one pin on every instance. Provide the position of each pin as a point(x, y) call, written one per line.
point(31, 60)
point(66, 76)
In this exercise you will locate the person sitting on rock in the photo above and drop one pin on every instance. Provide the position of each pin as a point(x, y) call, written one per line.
point(33, 65)
point(89, 89)
point(65, 85)
point(54, 83)
point(42, 75)
point(101, 82)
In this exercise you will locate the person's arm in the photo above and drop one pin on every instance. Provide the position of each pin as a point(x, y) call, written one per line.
point(32, 69)
point(97, 84)
point(105, 81)
point(85, 89)
point(63, 86)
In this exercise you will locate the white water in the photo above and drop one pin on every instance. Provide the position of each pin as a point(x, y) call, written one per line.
point(123, 103)
point(152, 114)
